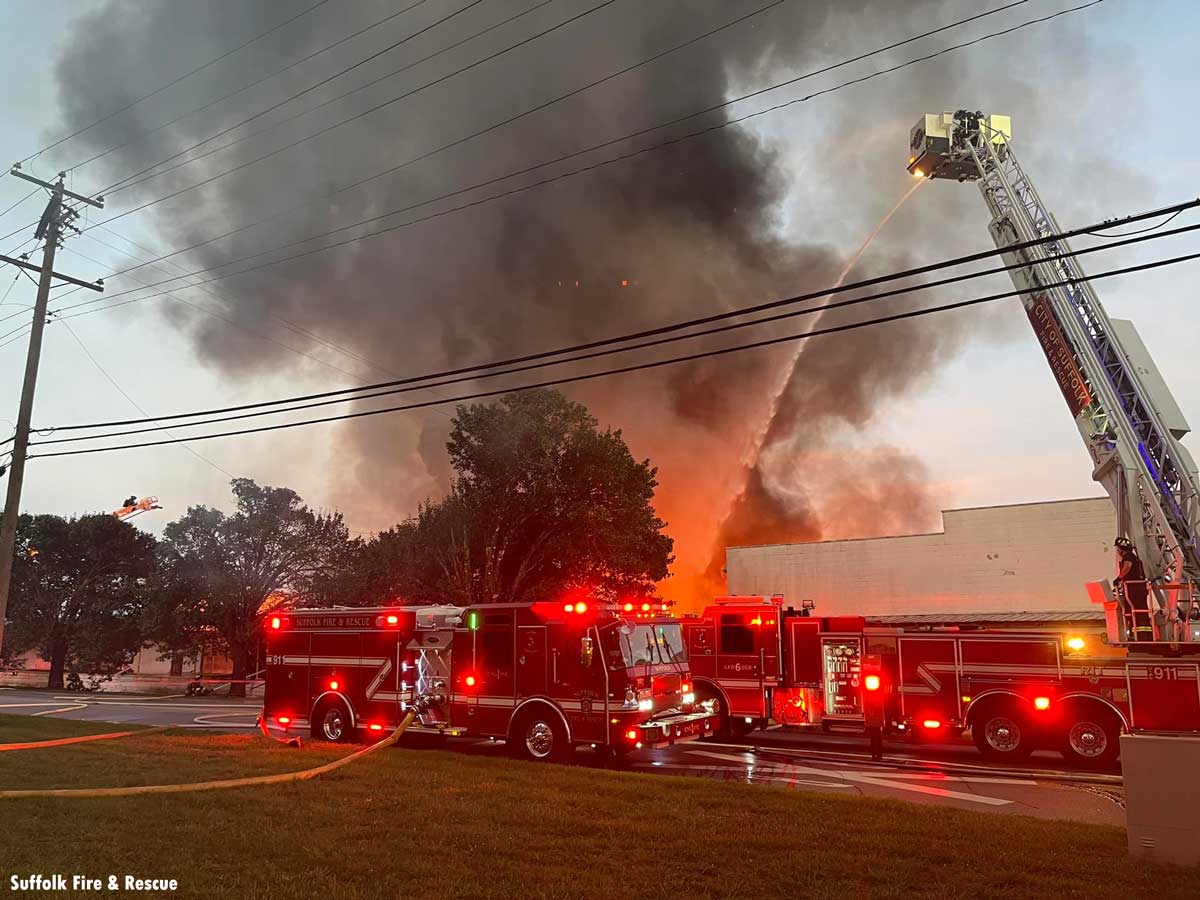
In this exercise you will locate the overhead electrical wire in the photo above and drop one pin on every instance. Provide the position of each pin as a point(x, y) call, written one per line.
point(395, 72)
point(719, 105)
point(425, 384)
point(128, 181)
point(638, 367)
point(563, 175)
point(211, 103)
point(18, 203)
point(250, 162)
point(175, 81)
point(120, 390)
point(826, 292)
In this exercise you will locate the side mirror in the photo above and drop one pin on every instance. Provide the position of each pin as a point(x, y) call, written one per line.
point(586, 651)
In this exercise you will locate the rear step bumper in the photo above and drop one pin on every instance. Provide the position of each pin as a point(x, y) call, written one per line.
point(676, 729)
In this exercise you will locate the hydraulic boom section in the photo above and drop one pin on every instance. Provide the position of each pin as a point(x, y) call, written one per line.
point(1127, 417)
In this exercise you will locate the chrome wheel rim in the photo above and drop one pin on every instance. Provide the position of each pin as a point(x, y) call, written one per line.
point(539, 739)
point(1002, 734)
point(1087, 739)
point(332, 725)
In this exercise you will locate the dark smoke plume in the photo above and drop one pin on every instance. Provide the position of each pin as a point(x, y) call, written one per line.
point(698, 227)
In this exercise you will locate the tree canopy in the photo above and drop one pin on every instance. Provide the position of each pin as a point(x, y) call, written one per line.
point(79, 587)
point(543, 501)
point(220, 573)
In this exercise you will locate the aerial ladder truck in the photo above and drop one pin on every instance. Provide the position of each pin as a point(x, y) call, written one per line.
point(1129, 422)
point(756, 660)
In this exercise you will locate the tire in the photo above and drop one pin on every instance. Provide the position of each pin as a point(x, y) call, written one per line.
point(1091, 737)
point(1001, 731)
point(721, 731)
point(332, 723)
point(539, 736)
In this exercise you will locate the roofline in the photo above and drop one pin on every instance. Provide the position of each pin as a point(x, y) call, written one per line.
point(892, 537)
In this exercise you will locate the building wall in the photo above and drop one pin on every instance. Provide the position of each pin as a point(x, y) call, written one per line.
point(1026, 557)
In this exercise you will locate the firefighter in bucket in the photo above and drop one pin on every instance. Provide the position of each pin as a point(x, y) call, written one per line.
point(1131, 581)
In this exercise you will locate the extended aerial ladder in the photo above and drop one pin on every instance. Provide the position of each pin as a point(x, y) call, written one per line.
point(1130, 423)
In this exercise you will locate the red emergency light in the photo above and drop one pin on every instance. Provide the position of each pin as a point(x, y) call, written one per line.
point(1041, 703)
point(391, 620)
point(375, 727)
point(469, 681)
point(628, 607)
point(871, 682)
point(284, 720)
point(276, 622)
point(932, 724)
point(333, 685)
point(631, 734)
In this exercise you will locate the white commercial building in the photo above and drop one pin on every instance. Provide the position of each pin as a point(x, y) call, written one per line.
point(1020, 559)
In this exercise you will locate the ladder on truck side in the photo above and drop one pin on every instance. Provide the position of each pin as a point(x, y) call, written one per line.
point(1127, 418)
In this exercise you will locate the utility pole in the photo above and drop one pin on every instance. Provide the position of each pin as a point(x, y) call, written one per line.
point(50, 230)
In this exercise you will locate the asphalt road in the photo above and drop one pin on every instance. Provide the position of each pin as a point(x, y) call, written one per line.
point(940, 774)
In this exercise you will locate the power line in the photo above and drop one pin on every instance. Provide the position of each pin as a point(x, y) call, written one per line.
point(247, 87)
point(827, 292)
point(126, 182)
point(1162, 224)
point(658, 342)
point(233, 323)
point(18, 203)
point(563, 175)
point(475, 134)
point(240, 166)
point(720, 105)
point(176, 81)
point(182, 442)
point(574, 379)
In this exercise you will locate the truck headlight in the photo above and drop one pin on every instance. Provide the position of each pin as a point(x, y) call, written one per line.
point(645, 705)
point(689, 697)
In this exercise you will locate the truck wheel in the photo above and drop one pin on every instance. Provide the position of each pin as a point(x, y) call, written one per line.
point(331, 722)
point(539, 736)
point(1092, 736)
point(721, 730)
point(1001, 732)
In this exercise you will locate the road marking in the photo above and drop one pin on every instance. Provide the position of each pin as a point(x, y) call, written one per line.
point(933, 776)
point(50, 712)
point(143, 704)
point(878, 781)
point(781, 779)
point(23, 705)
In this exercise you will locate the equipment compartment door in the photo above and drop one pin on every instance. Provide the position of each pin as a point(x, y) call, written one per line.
point(532, 661)
point(841, 659)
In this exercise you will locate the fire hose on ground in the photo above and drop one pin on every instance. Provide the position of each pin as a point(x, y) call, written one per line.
point(79, 739)
point(281, 778)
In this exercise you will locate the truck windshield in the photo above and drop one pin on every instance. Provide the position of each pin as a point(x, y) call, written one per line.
point(649, 644)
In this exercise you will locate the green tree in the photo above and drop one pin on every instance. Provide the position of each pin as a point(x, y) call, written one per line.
point(78, 590)
point(221, 573)
point(543, 501)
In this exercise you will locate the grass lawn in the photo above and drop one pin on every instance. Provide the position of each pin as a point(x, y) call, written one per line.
point(426, 824)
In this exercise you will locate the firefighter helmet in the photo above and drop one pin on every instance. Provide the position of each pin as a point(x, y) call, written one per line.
point(1123, 543)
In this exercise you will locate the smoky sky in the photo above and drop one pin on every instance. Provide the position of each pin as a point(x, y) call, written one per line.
point(687, 230)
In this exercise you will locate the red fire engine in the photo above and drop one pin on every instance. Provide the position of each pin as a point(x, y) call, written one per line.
point(543, 676)
point(755, 661)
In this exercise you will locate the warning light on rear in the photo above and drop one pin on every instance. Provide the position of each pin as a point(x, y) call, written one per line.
point(932, 723)
point(871, 682)
point(276, 622)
